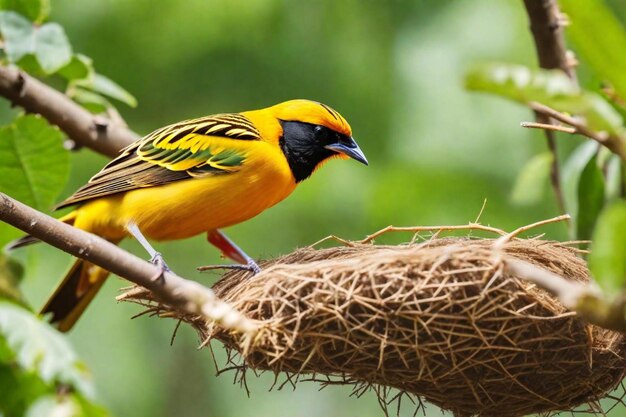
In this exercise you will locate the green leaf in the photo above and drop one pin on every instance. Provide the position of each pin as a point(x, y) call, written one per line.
point(52, 48)
point(531, 181)
point(607, 260)
point(68, 405)
point(549, 87)
point(604, 50)
point(590, 199)
point(88, 408)
point(93, 102)
point(79, 67)
point(33, 164)
point(40, 349)
point(105, 86)
point(53, 406)
point(19, 389)
point(11, 273)
point(36, 10)
point(48, 42)
point(613, 188)
point(18, 35)
point(30, 64)
point(570, 174)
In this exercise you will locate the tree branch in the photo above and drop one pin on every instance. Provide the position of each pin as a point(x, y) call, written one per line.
point(171, 289)
point(546, 25)
point(612, 143)
point(547, 29)
point(97, 133)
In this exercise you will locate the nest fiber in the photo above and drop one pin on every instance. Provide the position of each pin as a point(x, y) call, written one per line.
point(441, 320)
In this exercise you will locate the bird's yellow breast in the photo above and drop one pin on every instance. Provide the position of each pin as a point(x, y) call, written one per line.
point(186, 208)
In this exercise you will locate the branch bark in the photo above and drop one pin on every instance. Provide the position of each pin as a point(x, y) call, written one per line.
point(97, 133)
point(171, 289)
point(546, 25)
point(547, 29)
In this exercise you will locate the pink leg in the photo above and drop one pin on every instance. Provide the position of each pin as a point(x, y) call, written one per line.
point(232, 251)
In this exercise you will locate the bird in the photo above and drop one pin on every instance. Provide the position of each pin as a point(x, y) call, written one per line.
point(197, 176)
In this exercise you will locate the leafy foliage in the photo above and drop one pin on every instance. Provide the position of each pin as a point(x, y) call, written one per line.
point(39, 371)
point(107, 87)
point(40, 349)
point(48, 43)
point(549, 87)
point(571, 173)
point(590, 198)
point(11, 273)
point(607, 260)
point(532, 180)
point(592, 177)
point(45, 50)
point(35, 363)
point(64, 406)
point(33, 165)
point(35, 10)
point(604, 51)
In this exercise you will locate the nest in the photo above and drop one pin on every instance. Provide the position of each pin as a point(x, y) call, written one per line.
point(440, 320)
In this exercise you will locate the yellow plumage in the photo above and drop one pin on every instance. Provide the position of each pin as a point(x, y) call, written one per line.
point(186, 208)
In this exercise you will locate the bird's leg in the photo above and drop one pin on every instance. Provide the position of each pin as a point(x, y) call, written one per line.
point(232, 251)
point(155, 257)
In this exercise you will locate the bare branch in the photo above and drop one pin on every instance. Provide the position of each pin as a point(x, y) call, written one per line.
point(507, 238)
point(102, 135)
point(613, 143)
point(171, 289)
point(546, 25)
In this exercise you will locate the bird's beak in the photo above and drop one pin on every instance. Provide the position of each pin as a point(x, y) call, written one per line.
point(349, 148)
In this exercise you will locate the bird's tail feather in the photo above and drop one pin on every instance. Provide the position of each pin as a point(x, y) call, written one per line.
point(73, 295)
point(21, 242)
point(29, 240)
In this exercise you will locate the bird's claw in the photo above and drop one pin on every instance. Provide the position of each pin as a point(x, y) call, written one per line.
point(158, 261)
point(251, 266)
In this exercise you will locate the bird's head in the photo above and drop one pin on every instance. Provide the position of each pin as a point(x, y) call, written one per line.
point(313, 133)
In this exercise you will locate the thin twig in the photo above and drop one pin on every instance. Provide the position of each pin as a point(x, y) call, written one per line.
point(102, 135)
point(548, 126)
point(509, 236)
point(612, 143)
point(171, 289)
point(480, 213)
point(337, 239)
point(415, 229)
point(581, 128)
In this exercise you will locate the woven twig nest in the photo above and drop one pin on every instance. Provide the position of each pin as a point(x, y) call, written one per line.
point(442, 320)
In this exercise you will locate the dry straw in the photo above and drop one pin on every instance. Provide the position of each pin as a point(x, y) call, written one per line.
point(441, 320)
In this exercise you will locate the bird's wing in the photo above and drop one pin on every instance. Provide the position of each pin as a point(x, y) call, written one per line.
point(190, 149)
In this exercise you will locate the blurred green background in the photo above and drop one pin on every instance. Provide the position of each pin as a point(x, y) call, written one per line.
point(393, 69)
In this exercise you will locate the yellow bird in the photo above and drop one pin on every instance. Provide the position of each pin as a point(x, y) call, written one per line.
point(198, 176)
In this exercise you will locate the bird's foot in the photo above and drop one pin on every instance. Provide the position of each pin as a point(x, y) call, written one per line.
point(251, 266)
point(158, 261)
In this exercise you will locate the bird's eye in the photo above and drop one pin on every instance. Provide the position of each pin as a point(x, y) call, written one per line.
point(318, 129)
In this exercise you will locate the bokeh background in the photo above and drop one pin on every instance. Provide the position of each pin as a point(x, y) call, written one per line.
point(393, 69)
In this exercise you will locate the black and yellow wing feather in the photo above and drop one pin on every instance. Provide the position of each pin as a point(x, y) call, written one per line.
point(173, 153)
